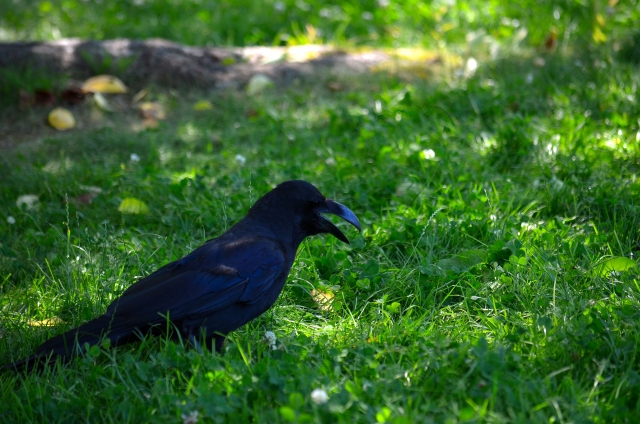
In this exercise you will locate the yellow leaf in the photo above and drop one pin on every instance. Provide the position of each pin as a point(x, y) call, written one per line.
point(323, 299)
point(107, 84)
point(152, 110)
point(140, 95)
point(61, 119)
point(133, 206)
point(203, 105)
point(598, 35)
point(47, 322)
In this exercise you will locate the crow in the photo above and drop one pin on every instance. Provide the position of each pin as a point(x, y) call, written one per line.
point(217, 288)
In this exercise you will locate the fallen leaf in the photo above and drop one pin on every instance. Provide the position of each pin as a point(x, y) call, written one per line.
point(551, 41)
point(335, 86)
point(102, 102)
point(598, 35)
point(259, 83)
point(140, 95)
point(47, 322)
point(131, 205)
point(324, 299)
point(251, 113)
point(73, 95)
point(61, 119)
point(37, 98)
point(152, 110)
point(203, 105)
point(107, 84)
point(44, 97)
point(150, 123)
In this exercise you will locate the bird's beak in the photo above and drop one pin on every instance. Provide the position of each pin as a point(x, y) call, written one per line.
point(343, 212)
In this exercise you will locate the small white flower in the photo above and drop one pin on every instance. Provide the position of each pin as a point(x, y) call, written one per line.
point(472, 65)
point(529, 79)
point(134, 158)
point(240, 160)
point(319, 396)
point(29, 201)
point(428, 154)
point(192, 418)
point(279, 6)
point(11, 220)
point(270, 337)
point(383, 3)
point(367, 16)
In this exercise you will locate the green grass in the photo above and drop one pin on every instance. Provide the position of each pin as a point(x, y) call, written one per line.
point(495, 279)
point(370, 22)
point(478, 291)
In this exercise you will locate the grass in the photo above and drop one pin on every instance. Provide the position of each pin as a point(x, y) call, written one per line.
point(284, 22)
point(495, 279)
point(482, 287)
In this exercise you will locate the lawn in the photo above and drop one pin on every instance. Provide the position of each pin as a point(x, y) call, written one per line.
point(495, 278)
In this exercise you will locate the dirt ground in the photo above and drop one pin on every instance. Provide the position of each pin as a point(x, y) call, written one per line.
point(169, 65)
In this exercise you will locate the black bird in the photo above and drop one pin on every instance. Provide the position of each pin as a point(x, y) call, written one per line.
point(220, 286)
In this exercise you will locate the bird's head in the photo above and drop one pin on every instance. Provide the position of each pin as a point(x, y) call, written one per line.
point(301, 203)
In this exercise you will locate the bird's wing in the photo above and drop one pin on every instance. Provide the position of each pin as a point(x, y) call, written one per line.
point(209, 279)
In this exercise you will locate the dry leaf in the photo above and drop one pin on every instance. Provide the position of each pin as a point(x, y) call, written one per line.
point(152, 110)
point(44, 97)
point(323, 299)
point(102, 102)
point(335, 86)
point(133, 206)
point(61, 119)
point(47, 322)
point(107, 84)
point(37, 98)
point(552, 40)
point(140, 95)
point(150, 124)
point(73, 95)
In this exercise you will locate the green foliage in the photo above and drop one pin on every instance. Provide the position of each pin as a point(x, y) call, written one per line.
point(371, 22)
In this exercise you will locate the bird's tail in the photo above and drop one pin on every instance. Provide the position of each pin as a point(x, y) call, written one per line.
point(66, 345)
